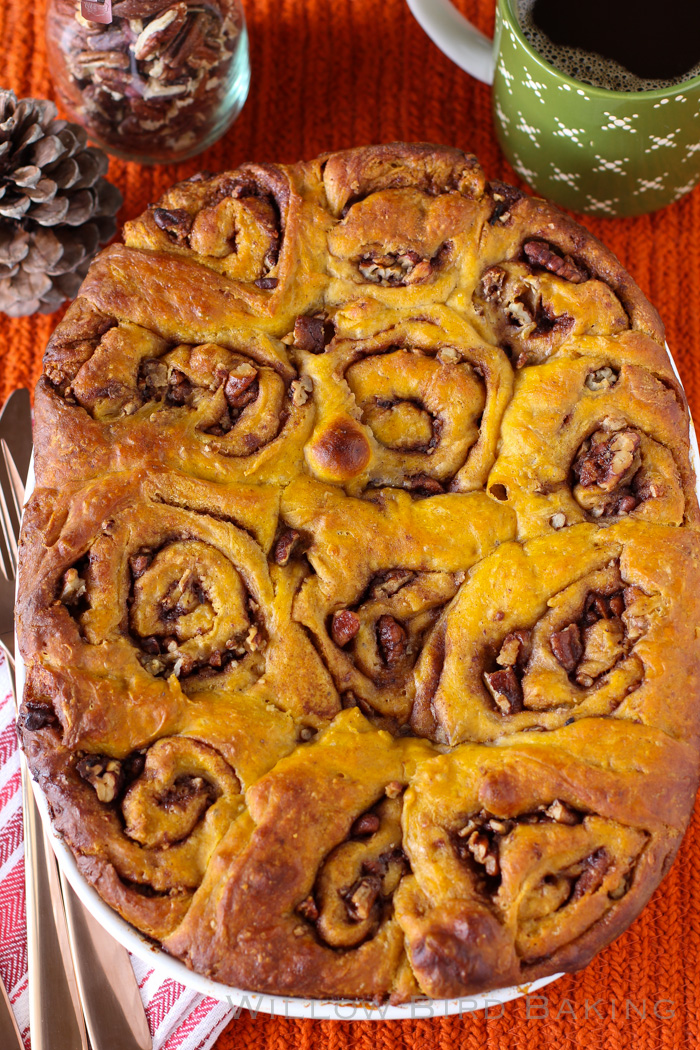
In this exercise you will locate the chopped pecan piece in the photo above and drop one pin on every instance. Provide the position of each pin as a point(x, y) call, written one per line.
point(560, 813)
point(504, 197)
point(515, 650)
point(601, 379)
point(310, 334)
point(592, 877)
point(367, 824)
point(482, 850)
point(38, 716)
point(308, 909)
point(567, 647)
point(138, 563)
point(176, 222)
point(392, 639)
point(103, 773)
point(153, 379)
point(300, 390)
point(539, 253)
point(73, 587)
point(389, 583)
point(362, 898)
point(506, 691)
point(285, 546)
point(424, 484)
point(606, 459)
point(344, 627)
point(179, 387)
point(603, 647)
point(240, 387)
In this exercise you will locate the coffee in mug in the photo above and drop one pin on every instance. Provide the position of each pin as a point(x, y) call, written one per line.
point(615, 133)
point(619, 45)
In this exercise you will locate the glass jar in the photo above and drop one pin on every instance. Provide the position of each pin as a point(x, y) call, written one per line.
point(160, 82)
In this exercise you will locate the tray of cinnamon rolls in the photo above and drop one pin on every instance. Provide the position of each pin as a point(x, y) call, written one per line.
point(359, 584)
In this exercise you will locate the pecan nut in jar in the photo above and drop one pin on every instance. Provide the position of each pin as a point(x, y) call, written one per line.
point(160, 82)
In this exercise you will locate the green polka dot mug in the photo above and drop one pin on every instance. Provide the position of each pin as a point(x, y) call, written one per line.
point(588, 148)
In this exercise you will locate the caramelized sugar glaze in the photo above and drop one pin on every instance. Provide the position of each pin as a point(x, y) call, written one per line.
point(360, 582)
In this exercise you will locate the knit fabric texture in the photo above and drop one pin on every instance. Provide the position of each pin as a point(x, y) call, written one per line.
point(329, 74)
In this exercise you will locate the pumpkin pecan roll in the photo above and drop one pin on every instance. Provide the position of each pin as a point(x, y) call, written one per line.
point(541, 280)
point(567, 626)
point(407, 220)
point(403, 402)
point(526, 858)
point(261, 227)
point(299, 896)
point(600, 435)
point(384, 568)
point(159, 588)
point(127, 395)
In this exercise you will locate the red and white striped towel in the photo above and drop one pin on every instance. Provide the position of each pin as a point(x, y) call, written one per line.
point(179, 1019)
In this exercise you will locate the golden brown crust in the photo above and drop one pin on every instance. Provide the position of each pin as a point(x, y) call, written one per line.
point(360, 587)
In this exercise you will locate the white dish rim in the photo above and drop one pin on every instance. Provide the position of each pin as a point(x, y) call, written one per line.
point(256, 1002)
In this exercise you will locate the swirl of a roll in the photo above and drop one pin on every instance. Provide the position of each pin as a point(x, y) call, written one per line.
point(418, 407)
point(145, 825)
point(614, 447)
point(254, 226)
point(583, 637)
point(538, 284)
point(515, 861)
point(152, 575)
point(403, 222)
point(127, 395)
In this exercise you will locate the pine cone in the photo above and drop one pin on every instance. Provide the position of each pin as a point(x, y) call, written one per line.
point(56, 208)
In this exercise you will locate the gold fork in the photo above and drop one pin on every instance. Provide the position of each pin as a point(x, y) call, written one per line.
point(55, 1018)
point(111, 1003)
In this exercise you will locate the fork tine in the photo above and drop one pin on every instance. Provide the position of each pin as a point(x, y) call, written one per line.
point(14, 511)
point(8, 527)
point(15, 479)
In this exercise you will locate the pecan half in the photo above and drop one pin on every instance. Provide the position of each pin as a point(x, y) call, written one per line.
point(367, 824)
point(539, 253)
point(38, 716)
point(176, 222)
point(567, 647)
point(392, 639)
point(285, 546)
point(103, 773)
point(160, 32)
point(592, 877)
point(311, 335)
point(506, 690)
point(239, 386)
point(344, 627)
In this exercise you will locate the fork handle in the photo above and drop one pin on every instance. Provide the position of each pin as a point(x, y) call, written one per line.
point(53, 1021)
point(9, 1032)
